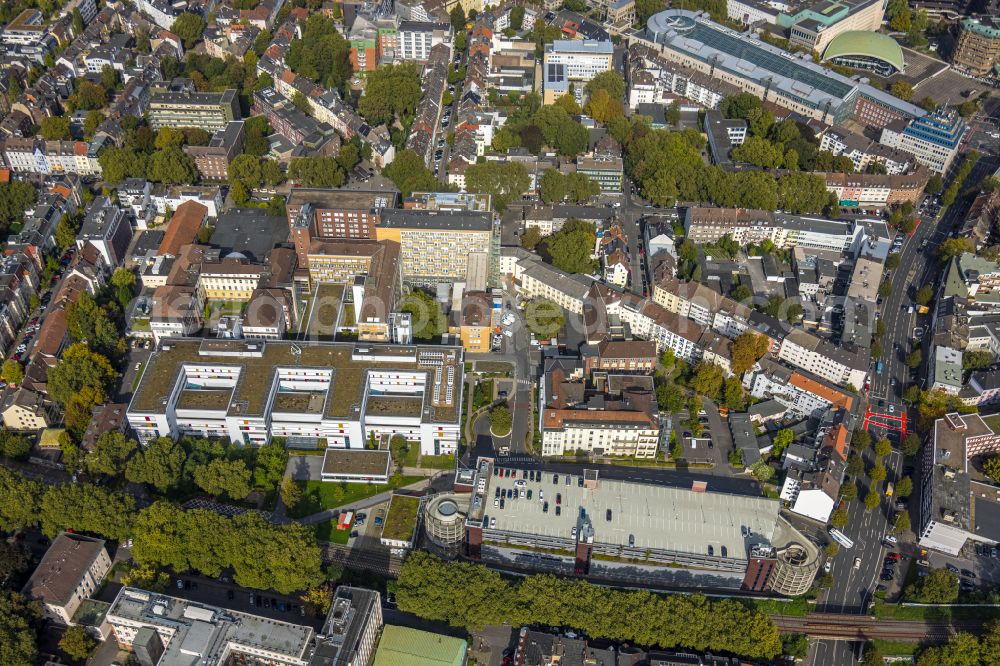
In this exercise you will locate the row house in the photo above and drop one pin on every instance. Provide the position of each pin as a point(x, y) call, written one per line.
point(876, 190)
point(18, 284)
point(423, 132)
point(53, 157)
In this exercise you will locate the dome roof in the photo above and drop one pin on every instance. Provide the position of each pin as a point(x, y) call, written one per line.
point(865, 43)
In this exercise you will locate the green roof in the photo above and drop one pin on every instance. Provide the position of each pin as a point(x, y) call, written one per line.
point(402, 645)
point(865, 43)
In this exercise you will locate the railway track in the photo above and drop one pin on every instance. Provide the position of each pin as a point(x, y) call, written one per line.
point(847, 627)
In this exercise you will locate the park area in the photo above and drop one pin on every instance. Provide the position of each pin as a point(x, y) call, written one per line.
point(322, 495)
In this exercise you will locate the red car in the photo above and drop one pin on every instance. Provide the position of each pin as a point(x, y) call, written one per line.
point(892, 556)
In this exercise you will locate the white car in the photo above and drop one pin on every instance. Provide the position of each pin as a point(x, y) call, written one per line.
point(857, 562)
point(507, 319)
point(509, 333)
point(889, 538)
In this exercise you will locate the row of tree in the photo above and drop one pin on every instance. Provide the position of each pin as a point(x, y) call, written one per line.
point(263, 555)
point(472, 596)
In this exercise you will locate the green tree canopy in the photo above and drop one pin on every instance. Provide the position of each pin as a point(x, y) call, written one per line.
point(80, 368)
point(501, 420)
point(429, 321)
point(159, 465)
point(322, 54)
point(544, 318)
point(504, 181)
point(224, 477)
point(570, 249)
point(391, 91)
point(609, 81)
point(939, 586)
point(189, 27)
point(77, 643)
point(409, 173)
point(55, 128)
point(748, 348)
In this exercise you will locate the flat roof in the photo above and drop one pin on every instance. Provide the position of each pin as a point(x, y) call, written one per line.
point(403, 645)
point(401, 519)
point(342, 199)
point(658, 517)
point(259, 361)
point(447, 220)
point(356, 461)
point(204, 632)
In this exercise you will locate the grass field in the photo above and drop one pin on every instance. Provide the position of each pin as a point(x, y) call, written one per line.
point(321, 495)
point(792, 607)
point(892, 611)
point(328, 532)
point(896, 648)
point(437, 462)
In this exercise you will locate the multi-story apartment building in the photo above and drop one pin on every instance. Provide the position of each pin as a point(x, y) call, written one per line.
point(862, 151)
point(170, 631)
point(417, 38)
point(207, 110)
point(212, 161)
point(229, 280)
point(801, 393)
point(343, 393)
point(933, 140)
point(537, 279)
point(573, 63)
point(352, 628)
point(607, 173)
point(815, 26)
point(958, 501)
point(71, 570)
point(444, 245)
point(693, 40)
point(52, 157)
point(977, 50)
point(333, 214)
point(723, 135)
point(107, 227)
point(824, 359)
point(707, 225)
point(473, 322)
point(876, 190)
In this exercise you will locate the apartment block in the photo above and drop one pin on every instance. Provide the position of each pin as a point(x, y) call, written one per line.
point(108, 228)
point(862, 151)
point(416, 39)
point(824, 359)
point(573, 63)
point(473, 321)
point(341, 393)
point(607, 173)
point(207, 110)
point(707, 225)
point(334, 214)
point(443, 246)
point(212, 161)
point(71, 570)
point(977, 50)
point(958, 502)
point(933, 140)
point(876, 190)
point(802, 393)
point(172, 631)
point(50, 158)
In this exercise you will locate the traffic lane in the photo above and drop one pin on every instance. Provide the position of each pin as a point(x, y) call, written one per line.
point(834, 653)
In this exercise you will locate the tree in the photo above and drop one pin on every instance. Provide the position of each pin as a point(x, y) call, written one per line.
point(301, 102)
point(848, 491)
point(934, 184)
point(66, 231)
point(77, 643)
point(962, 649)
point(544, 318)
point(322, 54)
point(911, 444)
point(110, 454)
point(924, 295)
point(80, 368)
point(611, 82)
point(670, 398)
point(15, 558)
point(55, 128)
point(88, 96)
point(84, 507)
point(878, 472)
point(831, 549)
point(109, 77)
point(781, 440)
point(902, 522)
point(391, 91)
point(159, 465)
point(531, 237)
point(838, 518)
point(748, 348)
point(795, 645)
point(319, 599)
point(872, 500)
point(953, 247)
point(976, 359)
point(504, 181)
point(92, 122)
point(428, 320)
point(14, 445)
point(168, 137)
point(939, 586)
point(913, 359)
point(707, 379)
point(189, 27)
point(904, 487)
point(501, 421)
point(408, 172)
point(224, 477)
point(793, 313)
point(603, 108)
point(861, 440)
point(883, 447)
point(570, 248)
point(872, 657)
point(901, 89)
point(18, 616)
point(172, 166)
point(517, 17)
point(457, 16)
point(991, 467)
point(567, 103)
point(13, 372)
point(291, 494)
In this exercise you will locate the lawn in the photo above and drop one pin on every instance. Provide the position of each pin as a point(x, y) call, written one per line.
point(401, 519)
point(892, 611)
point(437, 462)
point(896, 648)
point(993, 422)
point(793, 607)
point(328, 532)
point(321, 495)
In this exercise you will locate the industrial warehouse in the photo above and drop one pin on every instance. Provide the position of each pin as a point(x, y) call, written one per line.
point(623, 531)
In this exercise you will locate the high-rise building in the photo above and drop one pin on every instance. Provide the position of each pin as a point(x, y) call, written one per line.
point(978, 47)
point(208, 110)
point(934, 139)
point(573, 63)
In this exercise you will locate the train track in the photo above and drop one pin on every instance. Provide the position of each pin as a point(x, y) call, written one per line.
point(854, 627)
